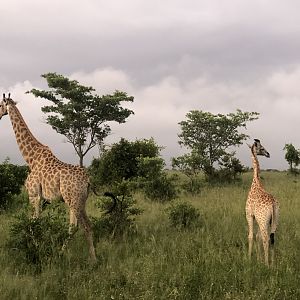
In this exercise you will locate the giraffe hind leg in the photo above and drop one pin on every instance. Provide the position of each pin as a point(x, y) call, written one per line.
point(88, 234)
point(258, 245)
point(265, 240)
point(272, 248)
point(73, 227)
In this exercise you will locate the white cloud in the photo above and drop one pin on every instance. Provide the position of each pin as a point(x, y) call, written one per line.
point(105, 80)
point(159, 107)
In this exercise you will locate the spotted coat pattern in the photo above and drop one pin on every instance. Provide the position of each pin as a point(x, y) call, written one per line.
point(262, 207)
point(50, 178)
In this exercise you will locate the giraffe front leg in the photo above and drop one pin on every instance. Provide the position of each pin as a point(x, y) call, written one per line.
point(36, 206)
point(34, 190)
point(250, 221)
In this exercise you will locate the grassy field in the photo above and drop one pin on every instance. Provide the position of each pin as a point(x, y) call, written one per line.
point(162, 262)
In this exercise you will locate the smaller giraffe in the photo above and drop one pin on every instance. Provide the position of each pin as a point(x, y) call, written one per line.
point(261, 205)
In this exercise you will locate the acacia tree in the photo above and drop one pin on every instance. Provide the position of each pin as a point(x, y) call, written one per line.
point(79, 114)
point(292, 156)
point(210, 138)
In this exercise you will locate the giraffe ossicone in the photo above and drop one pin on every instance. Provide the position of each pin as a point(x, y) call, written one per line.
point(261, 206)
point(50, 178)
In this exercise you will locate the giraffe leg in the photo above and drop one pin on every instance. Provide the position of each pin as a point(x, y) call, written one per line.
point(88, 234)
point(274, 224)
point(265, 240)
point(73, 227)
point(36, 205)
point(258, 245)
point(250, 220)
point(34, 190)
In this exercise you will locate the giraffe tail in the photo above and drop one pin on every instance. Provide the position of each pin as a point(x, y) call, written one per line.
point(115, 200)
point(274, 222)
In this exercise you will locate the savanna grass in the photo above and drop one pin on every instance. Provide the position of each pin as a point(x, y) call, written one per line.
point(163, 262)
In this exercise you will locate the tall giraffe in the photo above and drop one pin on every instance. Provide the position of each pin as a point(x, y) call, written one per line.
point(261, 205)
point(50, 178)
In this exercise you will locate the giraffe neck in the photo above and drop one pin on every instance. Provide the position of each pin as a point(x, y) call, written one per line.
point(256, 169)
point(27, 143)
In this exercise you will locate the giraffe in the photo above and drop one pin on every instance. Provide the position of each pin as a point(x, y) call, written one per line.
point(50, 178)
point(261, 205)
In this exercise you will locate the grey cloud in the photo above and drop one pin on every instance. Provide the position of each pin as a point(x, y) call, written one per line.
point(148, 41)
point(173, 56)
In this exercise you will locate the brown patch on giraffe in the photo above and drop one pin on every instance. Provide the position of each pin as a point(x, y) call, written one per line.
point(261, 206)
point(49, 175)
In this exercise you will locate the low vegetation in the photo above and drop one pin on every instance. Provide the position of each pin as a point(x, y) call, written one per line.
point(161, 260)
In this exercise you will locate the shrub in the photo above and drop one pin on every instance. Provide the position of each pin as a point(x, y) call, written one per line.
point(12, 178)
point(183, 215)
point(117, 221)
point(193, 185)
point(121, 161)
point(161, 188)
point(37, 241)
point(154, 180)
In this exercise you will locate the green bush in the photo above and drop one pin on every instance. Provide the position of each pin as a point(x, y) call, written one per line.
point(154, 181)
point(193, 185)
point(12, 178)
point(183, 215)
point(115, 220)
point(38, 241)
point(121, 161)
point(161, 188)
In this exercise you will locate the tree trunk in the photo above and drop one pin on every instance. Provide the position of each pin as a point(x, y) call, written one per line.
point(81, 160)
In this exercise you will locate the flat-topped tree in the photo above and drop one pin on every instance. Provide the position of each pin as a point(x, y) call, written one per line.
point(79, 114)
point(211, 139)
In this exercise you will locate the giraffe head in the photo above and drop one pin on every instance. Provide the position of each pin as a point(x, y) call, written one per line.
point(258, 149)
point(6, 101)
point(4, 104)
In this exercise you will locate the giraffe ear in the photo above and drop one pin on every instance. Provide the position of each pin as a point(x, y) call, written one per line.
point(249, 146)
point(257, 140)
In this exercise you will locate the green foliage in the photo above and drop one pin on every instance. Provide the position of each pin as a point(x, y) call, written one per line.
point(137, 162)
point(292, 156)
point(161, 262)
point(193, 185)
point(183, 215)
point(154, 180)
point(150, 167)
point(121, 219)
point(209, 137)
point(230, 169)
point(12, 178)
point(121, 161)
point(79, 114)
point(190, 165)
point(37, 241)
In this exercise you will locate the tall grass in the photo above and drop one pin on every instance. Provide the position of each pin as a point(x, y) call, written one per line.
point(163, 262)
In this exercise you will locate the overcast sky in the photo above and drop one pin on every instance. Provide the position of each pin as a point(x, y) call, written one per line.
point(172, 56)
